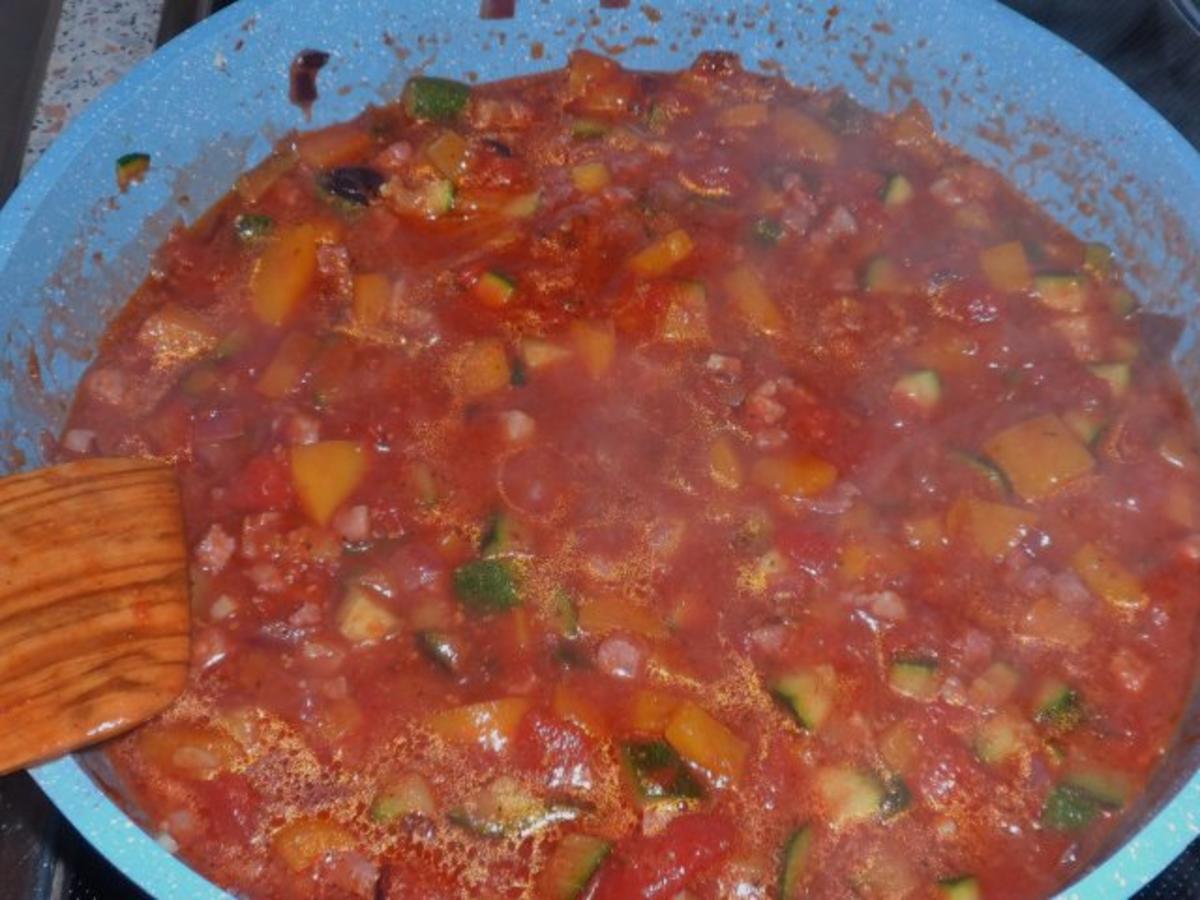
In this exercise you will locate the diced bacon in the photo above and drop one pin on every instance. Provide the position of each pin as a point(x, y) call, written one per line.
point(353, 523)
point(620, 657)
point(261, 535)
point(308, 614)
point(763, 405)
point(393, 158)
point(333, 262)
point(840, 223)
point(885, 605)
point(727, 367)
point(79, 440)
point(1130, 669)
point(215, 549)
point(209, 647)
point(301, 430)
point(267, 577)
point(517, 426)
point(107, 385)
point(770, 439)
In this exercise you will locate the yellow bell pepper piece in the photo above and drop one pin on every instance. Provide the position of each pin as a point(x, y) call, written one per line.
point(596, 344)
point(1107, 578)
point(491, 724)
point(325, 474)
point(794, 476)
point(663, 254)
point(302, 842)
point(753, 301)
point(482, 369)
point(702, 740)
point(283, 273)
point(1006, 267)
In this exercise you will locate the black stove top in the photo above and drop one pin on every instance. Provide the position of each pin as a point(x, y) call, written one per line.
point(1153, 45)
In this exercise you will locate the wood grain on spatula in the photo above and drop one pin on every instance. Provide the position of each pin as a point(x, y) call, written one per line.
point(94, 611)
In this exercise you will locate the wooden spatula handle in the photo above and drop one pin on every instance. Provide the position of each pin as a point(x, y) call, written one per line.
point(94, 614)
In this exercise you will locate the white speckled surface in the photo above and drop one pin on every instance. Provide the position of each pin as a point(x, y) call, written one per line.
point(95, 45)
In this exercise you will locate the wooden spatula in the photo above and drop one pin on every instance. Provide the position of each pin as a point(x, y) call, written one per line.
point(94, 611)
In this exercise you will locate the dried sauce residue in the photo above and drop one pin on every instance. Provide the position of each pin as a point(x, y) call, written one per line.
point(302, 81)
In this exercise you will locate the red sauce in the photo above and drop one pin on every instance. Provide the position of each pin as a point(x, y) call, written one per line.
point(611, 484)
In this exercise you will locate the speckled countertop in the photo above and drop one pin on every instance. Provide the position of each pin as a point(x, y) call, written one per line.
point(97, 42)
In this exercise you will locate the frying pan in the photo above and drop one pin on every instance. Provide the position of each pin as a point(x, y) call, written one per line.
point(211, 102)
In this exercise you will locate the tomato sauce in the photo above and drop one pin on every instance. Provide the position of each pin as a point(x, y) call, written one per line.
point(611, 484)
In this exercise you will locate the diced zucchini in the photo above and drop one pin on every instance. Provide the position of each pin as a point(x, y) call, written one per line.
point(486, 586)
point(998, 738)
point(1110, 788)
point(363, 619)
point(494, 289)
point(1058, 706)
point(898, 191)
point(896, 798)
point(439, 197)
point(448, 152)
point(1086, 426)
point(590, 177)
point(881, 275)
point(406, 796)
point(522, 206)
point(1107, 578)
point(767, 231)
point(131, 168)
point(991, 475)
point(1099, 258)
point(1039, 455)
point(572, 865)
point(849, 794)
point(442, 649)
point(1122, 302)
point(1064, 293)
point(250, 227)
point(437, 99)
point(1069, 808)
point(588, 129)
point(915, 677)
point(808, 694)
point(1116, 374)
point(566, 613)
point(502, 536)
point(960, 887)
point(506, 808)
point(657, 772)
point(922, 388)
point(796, 851)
